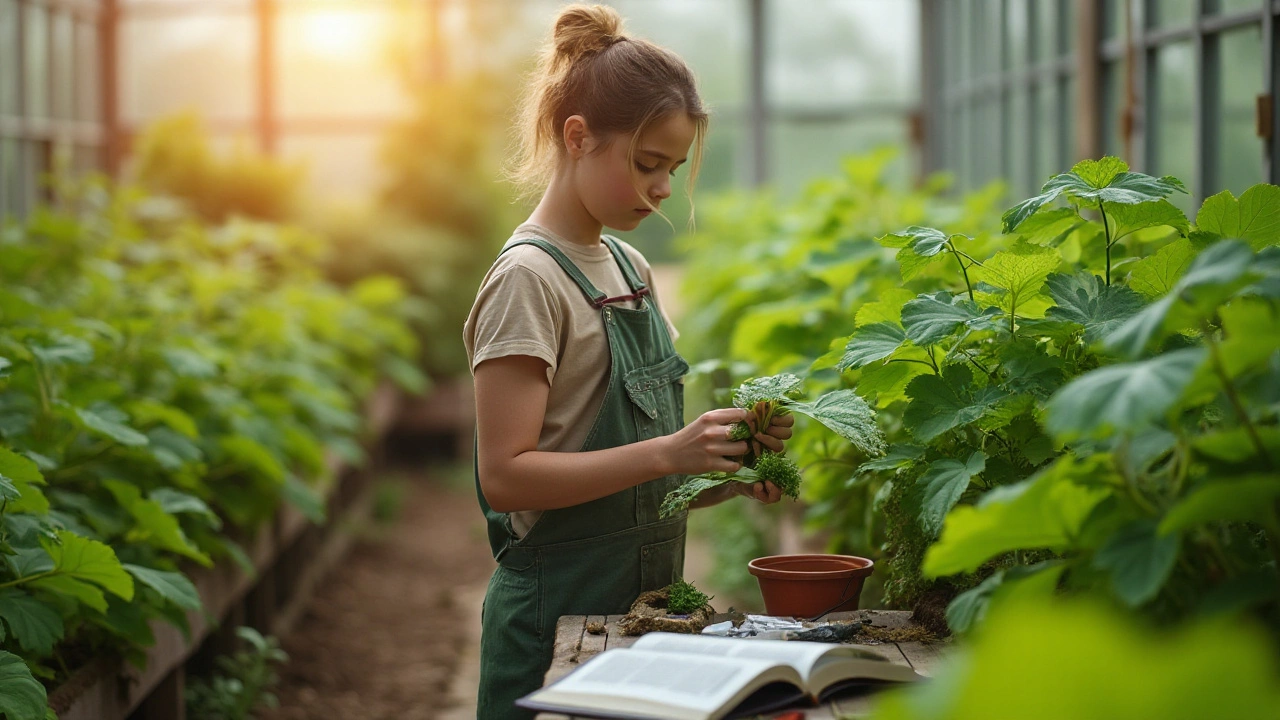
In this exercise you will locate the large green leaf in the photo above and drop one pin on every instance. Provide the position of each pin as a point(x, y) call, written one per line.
point(930, 318)
point(91, 561)
point(153, 523)
point(1213, 276)
point(1123, 398)
point(1044, 511)
point(1078, 658)
point(871, 343)
point(1247, 499)
point(22, 697)
point(970, 607)
point(1139, 561)
point(1019, 273)
point(1254, 218)
point(940, 487)
point(18, 468)
point(939, 404)
point(173, 586)
point(1086, 300)
point(772, 389)
point(1094, 181)
point(85, 593)
point(110, 427)
point(847, 415)
point(1156, 275)
point(1132, 218)
point(37, 626)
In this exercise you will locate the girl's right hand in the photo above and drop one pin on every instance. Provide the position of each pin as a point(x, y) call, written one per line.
point(702, 446)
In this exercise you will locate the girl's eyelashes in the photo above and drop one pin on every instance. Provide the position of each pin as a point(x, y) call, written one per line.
point(645, 169)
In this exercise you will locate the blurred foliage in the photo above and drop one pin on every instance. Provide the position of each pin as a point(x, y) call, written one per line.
point(174, 158)
point(243, 683)
point(162, 380)
point(1057, 660)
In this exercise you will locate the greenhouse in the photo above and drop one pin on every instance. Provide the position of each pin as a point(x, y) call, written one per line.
point(344, 372)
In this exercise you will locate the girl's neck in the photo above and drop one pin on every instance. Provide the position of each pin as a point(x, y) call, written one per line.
point(561, 212)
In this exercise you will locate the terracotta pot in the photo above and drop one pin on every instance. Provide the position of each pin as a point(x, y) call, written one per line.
point(804, 585)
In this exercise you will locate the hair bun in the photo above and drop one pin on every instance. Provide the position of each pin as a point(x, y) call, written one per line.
point(584, 29)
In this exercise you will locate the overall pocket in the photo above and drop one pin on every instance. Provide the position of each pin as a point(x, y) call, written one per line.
point(661, 563)
point(657, 404)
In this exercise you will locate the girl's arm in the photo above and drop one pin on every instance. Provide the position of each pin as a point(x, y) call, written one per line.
point(511, 401)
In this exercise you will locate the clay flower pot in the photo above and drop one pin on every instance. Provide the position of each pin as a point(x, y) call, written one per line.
point(803, 586)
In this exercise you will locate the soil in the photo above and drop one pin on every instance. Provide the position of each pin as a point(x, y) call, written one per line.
point(384, 633)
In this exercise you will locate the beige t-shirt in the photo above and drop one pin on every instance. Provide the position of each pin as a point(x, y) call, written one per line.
point(528, 305)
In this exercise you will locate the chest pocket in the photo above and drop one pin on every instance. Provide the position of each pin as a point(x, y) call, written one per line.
point(657, 404)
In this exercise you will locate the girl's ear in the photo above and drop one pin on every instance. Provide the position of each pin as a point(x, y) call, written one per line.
point(577, 138)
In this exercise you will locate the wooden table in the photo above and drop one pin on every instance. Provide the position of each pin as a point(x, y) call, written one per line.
point(574, 646)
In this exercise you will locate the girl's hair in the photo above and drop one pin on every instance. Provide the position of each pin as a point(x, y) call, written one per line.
point(618, 83)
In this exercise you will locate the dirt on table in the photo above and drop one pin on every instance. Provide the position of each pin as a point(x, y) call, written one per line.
point(384, 633)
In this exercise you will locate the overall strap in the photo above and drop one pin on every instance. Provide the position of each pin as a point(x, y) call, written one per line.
point(633, 278)
point(594, 296)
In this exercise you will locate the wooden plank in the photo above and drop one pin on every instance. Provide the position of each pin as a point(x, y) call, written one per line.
point(564, 653)
point(593, 644)
point(112, 690)
point(924, 657)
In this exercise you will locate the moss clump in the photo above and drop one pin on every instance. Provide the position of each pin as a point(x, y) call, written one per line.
point(781, 471)
point(683, 598)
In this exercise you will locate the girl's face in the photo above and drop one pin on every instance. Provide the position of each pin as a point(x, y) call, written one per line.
point(614, 190)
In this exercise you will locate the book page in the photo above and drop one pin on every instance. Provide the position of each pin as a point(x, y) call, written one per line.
point(802, 656)
point(699, 682)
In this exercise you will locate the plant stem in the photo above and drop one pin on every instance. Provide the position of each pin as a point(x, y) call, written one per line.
point(1106, 228)
point(28, 578)
point(1234, 398)
point(956, 254)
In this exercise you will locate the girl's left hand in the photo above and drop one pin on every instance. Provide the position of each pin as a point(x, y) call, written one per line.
point(764, 491)
point(779, 429)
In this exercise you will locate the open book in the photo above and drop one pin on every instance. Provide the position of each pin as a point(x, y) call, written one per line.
point(698, 677)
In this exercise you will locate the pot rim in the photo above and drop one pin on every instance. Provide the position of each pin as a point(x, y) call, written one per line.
point(855, 567)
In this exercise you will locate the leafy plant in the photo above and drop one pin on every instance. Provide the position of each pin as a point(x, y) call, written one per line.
point(161, 380)
point(683, 598)
point(244, 683)
point(841, 411)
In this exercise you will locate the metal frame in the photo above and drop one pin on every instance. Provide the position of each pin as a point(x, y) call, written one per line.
point(1135, 51)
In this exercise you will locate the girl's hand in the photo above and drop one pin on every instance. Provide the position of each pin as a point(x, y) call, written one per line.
point(764, 491)
point(779, 429)
point(701, 446)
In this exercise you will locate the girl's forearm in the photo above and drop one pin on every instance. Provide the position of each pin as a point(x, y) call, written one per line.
point(538, 480)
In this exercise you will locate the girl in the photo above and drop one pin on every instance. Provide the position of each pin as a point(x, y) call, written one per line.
point(579, 396)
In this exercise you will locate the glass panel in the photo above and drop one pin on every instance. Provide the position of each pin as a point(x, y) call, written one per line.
point(837, 52)
point(1173, 142)
point(1113, 18)
point(1046, 129)
point(1068, 28)
point(328, 54)
point(1015, 33)
point(340, 166)
point(173, 63)
point(63, 65)
point(9, 57)
point(1068, 138)
point(712, 37)
point(10, 178)
point(85, 158)
point(802, 151)
point(1239, 156)
point(1017, 144)
point(88, 82)
point(1167, 13)
point(1046, 20)
point(1112, 107)
point(37, 60)
point(1226, 7)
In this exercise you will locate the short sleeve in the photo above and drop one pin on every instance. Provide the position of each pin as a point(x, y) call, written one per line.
point(515, 313)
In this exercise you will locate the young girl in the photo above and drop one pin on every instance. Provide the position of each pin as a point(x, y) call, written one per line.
point(579, 391)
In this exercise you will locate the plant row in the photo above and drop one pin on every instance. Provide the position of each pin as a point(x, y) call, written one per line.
point(165, 385)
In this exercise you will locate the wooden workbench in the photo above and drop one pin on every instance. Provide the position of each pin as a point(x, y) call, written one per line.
point(574, 646)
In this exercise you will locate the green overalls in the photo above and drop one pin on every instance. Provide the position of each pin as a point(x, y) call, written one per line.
point(593, 558)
